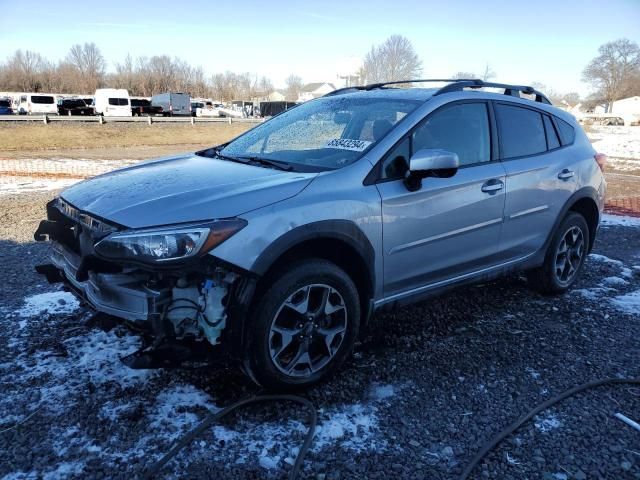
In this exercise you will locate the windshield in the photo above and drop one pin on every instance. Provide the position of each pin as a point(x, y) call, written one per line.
point(74, 103)
point(327, 133)
point(4, 103)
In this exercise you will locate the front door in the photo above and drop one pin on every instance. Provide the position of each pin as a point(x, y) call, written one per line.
point(450, 226)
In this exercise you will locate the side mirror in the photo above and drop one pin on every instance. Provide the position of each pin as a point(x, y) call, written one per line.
point(430, 163)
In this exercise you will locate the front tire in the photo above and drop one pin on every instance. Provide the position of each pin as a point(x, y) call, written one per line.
point(564, 258)
point(304, 326)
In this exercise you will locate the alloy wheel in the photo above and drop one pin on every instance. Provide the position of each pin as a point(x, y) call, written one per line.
point(307, 330)
point(569, 255)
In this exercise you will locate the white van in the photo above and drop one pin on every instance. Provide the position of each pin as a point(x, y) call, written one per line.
point(36, 103)
point(112, 102)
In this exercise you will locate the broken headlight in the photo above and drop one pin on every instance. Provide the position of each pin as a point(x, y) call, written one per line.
point(169, 243)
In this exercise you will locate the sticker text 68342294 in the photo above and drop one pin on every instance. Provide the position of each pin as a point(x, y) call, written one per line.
point(348, 144)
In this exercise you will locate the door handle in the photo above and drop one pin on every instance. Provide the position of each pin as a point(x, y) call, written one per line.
point(565, 174)
point(492, 186)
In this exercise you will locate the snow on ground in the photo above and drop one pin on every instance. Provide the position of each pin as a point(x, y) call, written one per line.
point(629, 303)
point(547, 423)
point(30, 173)
point(49, 302)
point(619, 220)
point(11, 185)
point(90, 358)
point(620, 144)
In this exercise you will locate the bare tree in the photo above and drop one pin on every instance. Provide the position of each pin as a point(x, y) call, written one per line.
point(293, 86)
point(393, 60)
point(24, 71)
point(89, 64)
point(617, 63)
point(488, 73)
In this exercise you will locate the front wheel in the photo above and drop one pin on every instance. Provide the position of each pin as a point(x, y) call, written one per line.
point(564, 258)
point(304, 326)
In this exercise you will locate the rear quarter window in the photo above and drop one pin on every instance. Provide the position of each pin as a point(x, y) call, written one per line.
point(521, 131)
point(567, 132)
point(552, 136)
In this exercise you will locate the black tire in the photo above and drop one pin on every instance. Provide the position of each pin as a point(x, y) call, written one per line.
point(270, 308)
point(547, 279)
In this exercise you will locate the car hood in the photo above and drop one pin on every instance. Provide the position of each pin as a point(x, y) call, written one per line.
point(185, 188)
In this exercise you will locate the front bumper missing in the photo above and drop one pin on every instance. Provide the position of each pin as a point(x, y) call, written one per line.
point(122, 294)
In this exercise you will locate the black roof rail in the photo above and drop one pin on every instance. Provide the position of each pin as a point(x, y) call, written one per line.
point(453, 85)
point(511, 90)
point(373, 86)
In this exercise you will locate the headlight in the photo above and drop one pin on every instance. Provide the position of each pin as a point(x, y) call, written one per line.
point(167, 244)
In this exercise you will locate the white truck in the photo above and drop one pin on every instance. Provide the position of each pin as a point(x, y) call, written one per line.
point(112, 102)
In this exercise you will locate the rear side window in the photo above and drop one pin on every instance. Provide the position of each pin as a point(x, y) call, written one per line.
point(44, 99)
point(461, 128)
point(119, 101)
point(567, 133)
point(521, 131)
point(552, 136)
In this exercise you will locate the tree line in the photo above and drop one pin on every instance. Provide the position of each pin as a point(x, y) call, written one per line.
point(614, 74)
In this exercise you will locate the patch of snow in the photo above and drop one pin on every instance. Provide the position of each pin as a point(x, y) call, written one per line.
point(615, 281)
point(57, 302)
point(534, 374)
point(621, 142)
point(547, 424)
point(609, 220)
point(602, 258)
point(381, 392)
point(629, 303)
point(10, 185)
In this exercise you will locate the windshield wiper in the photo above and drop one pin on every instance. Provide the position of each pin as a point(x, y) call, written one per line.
point(271, 163)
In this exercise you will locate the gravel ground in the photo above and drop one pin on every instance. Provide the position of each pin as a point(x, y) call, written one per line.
point(445, 377)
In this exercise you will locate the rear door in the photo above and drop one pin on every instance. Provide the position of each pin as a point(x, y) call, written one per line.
point(540, 176)
point(450, 226)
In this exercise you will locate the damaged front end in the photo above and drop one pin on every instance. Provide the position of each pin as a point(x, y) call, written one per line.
point(160, 279)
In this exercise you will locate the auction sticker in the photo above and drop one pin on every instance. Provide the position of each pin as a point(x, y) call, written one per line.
point(348, 144)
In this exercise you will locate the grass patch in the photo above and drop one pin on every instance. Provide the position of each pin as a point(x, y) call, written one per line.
point(36, 137)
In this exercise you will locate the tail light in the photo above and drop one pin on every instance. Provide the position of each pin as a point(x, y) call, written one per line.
point(601, 159)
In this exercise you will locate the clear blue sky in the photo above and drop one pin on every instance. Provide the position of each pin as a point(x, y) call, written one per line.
point(550, 42)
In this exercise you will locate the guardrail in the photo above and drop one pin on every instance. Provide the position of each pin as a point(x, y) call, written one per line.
point(100, 119)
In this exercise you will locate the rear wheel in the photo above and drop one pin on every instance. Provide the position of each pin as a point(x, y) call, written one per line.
point(304, 326)
point(564, 258)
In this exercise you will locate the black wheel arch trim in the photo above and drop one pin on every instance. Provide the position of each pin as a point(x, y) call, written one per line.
point(343, 230)
point(584, 192)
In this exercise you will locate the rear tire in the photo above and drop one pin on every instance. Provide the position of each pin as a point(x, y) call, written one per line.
point(564, 258)
point(304, 326)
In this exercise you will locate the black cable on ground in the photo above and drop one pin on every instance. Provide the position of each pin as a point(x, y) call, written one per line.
point(543, 406)
point(189, 437)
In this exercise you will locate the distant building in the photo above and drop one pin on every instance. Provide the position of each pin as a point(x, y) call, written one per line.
point(315, 90)
point(276, 96)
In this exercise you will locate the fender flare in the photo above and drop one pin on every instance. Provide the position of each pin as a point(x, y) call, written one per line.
point(343, 230)
point(584, 192)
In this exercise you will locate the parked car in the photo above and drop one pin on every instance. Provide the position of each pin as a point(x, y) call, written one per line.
point(279, 246)
point(5, 106)
point(205, 109)
point(112, 102)
point(173, 104)
point(37, 103)
point(74, 106)
point(142, 106)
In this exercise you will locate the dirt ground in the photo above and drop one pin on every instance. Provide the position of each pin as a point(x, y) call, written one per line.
point(107, 141)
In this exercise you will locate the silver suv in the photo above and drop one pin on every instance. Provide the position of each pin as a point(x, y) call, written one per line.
point(278, 246)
